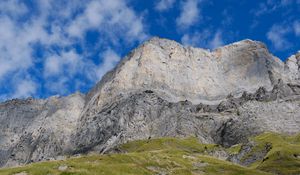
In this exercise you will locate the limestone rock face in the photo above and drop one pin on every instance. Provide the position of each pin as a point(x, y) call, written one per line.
point(146, 115)
point(160, 89)
point(293, 65)
point(35, 130)
point(193, 74)
point(199, 78)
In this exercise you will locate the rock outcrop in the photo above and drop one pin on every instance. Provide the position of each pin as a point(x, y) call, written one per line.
point(34, 130)
point(160, 89)
point(193, 74)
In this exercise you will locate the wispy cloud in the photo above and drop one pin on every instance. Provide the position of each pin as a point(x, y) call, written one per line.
point(216, 41)
point(113, 18)
point(13, 8)
point(67, 63)
point(49, 46)
point(204, 39)
point(297, 27)
point(189, 15)
point(61, 66)
point(277, 35)
point(109, 59)
point(270, 6)
point(25, 88)
point(163, 5)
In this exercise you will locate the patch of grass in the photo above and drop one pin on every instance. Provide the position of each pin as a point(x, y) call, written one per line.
point(188, 144)
point(165, 155)
point(235, 149)
point(216, 166)
point(284, 155)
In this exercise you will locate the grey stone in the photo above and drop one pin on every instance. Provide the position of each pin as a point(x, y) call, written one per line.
point(161, 89)
point(62, 167)
point(22, 173)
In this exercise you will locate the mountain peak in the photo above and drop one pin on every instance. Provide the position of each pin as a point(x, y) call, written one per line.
point(198, 75)
point(160, 89)
point(164, 41)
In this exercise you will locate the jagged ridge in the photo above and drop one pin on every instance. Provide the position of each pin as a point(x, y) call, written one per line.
point(160, 89)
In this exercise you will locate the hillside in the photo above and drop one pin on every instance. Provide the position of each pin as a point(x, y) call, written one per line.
point(179, 156)
point(165, 90)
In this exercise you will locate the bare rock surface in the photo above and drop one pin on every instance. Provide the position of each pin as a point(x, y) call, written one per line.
point(160, 89)
point(197, 75)
point(35, 130)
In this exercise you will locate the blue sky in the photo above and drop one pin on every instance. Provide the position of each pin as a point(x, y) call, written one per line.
point(50, 47)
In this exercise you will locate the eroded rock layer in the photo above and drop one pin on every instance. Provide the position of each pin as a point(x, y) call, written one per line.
point(160, 89)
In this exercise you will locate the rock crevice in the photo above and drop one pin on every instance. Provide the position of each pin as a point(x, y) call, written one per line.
point(161, 89)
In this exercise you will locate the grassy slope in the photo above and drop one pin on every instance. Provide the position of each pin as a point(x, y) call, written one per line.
point(283, 158)
point(172, 156)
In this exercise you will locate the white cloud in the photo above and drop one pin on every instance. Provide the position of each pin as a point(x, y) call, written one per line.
point(216, 41)
point(14, 48)
point(195, 39)
point(190, 14)
point(204, 39)
point(162, 5)
point(297, 28)
point(25, 88)
point(69, 62)
point(22, 87)
point(113, 18)
point(56, 26)
point(58, 86)
point(61, 68)
point(13, 8)
point(226, 17)
point(110, 59)
point(52, 66)
point(277, 35)
point(270, 6)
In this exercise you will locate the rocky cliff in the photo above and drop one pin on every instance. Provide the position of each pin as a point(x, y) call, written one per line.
point(160, 89)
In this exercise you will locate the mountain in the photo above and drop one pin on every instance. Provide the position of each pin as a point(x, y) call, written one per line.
point(274, 154)
point(161, 89)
